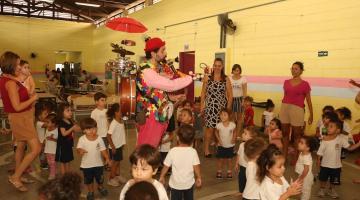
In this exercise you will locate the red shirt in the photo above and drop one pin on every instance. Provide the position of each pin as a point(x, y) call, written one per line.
point(295, 95)
point(23, 95)
point(249, 117)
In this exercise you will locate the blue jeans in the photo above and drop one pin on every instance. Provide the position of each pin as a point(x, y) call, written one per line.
point(182, 194)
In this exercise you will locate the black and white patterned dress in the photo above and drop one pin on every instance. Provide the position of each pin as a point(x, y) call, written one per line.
point(215, 100)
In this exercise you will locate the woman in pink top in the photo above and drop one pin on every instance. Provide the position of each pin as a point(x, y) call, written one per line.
point(292, 109)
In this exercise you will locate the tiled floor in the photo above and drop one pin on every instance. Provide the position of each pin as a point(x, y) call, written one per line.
point(212, 188)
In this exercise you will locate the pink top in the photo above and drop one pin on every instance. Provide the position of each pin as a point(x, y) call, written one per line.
point(296, 94)
point(275, 137)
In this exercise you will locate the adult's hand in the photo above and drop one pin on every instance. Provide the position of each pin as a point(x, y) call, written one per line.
point(310, 120)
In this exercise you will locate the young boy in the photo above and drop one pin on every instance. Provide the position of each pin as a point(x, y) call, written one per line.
point(241, 160)
point(145, 161)
point(99, 115)
point(329, 157)
point(303, 165)
point(249, 112)
point(182, 178)
point(253, 149)
point(91, 147)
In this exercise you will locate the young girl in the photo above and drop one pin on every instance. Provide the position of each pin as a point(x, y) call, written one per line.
point(41, 112)
point(344, 114)
point(50, 143)
point(319, 124)
point(65, 142)
point(25, 77)
point(226, 141)
point(248, 112)
point(117, 139)
point(268, 114)
point(270, 174)
point(186, 117)
point(274, 133)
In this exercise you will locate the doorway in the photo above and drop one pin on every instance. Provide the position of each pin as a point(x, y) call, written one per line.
point(187, 64)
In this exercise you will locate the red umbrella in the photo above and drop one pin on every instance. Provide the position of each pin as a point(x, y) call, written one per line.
point(126, 24)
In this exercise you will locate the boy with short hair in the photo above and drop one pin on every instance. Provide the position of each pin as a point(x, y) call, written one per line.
point(99, 115)
point(91, 147)
point(185, 162)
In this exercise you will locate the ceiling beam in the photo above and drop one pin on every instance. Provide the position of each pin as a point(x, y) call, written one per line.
point(20, 7)
point(44, 17)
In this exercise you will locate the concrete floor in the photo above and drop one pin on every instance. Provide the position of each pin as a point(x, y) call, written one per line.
point(212, 188)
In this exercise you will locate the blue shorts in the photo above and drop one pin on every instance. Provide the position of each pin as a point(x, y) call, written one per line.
point(118, 156)
point(92, 173)
point(330, 173)
point(223, 152)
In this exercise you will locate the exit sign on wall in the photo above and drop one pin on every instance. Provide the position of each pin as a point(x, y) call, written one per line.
point(322, 53)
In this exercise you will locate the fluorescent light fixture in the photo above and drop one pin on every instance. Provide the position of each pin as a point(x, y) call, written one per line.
point(48, 1)
point(87, 4)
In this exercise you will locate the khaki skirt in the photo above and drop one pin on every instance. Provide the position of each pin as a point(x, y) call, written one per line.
point(22, 125)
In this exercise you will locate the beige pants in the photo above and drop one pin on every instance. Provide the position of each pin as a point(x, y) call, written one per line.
point(292, 114)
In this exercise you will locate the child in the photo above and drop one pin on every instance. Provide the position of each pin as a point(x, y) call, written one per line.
point(253, 149)
point(99, 115)
point(91, 148)
point(145, 161)
point(182, 178)
point(25, 77)
point(274, 133)
point(142, 190)
point(241, 160)
point(319, 124)
point(50, 144)
point(198, 125)
point(329, 157)
point(249, 112)
point(344, 115)
point(226, 141)
point(116, 138)
point(65, 142)
point(268, 114)
point(270, 174)
point(303, 165)
point(41, 113)
point(186, 116)
point(184, 105)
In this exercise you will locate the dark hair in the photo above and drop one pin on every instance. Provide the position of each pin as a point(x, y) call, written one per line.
point(52, 118)
point(269, 104)
point(65, 187)
point(142, 190)
point(328, 108)
point(187, 110)
point(236, 66)
point(8, 62)
point(226, 111)
point(40, 107)
point(223, 76)
point(146, 153)
point(266, 160)
point(186, 134)
point(277, 122)
point(60, 112)
point(187, 102)
point(252, 131)
point(338, 123)
point(254, 147)
point(310, 142)
point(23, 62)
point(300, 64)
point(148, 53)
point(87, 123)
point(249, 98)
point(330, 115)
point(346, 112)
point(110, 113)
point(99, 95)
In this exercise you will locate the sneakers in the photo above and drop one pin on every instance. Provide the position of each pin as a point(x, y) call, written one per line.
point(103, 191)
point(321, 193)
point(113, 182)
point(120, 179)
point(219, 175)
point(332, 193)
point(90, 196)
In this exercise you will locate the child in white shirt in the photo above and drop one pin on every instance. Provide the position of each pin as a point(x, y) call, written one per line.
point(226, 141)
point(253, 149)
point(41, 112)
point(271, 168)
point(99, 115)
point(182, 179)
point(268, 114)
point(241, 160)
point(116, 138)
point(50, 143)
point(91, 148)
point(320, 123)
point(303, 165)
point(145, 161)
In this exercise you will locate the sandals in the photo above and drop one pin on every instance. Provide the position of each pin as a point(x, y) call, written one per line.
point(18, 185)
point(219, 175)
point(26, 180)
point(229, 175)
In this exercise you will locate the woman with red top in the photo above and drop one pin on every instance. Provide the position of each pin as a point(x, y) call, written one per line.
point(18, 105)
point(292, 109)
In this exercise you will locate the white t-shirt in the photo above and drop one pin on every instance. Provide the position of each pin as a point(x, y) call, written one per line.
point(269, 190)
point(165, 147)
point(117, 132)
point(252, 187)
point(93, 156)
point(182, 161)
point(268, 116)
point(159, 187)
point(40, 131)
point(226, 133)
point(101, 120)
point(237, 86)
point(331, 151)
point(242, 157)
point(50, 146)
point(346, 127)
point(303, 160)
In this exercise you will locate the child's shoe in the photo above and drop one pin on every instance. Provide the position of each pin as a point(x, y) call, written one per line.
point(90, 196)
point(229, 175)
point(332, 193)
point(113, 182)
point(219, 175)
point(103, 191)
point(321, 193)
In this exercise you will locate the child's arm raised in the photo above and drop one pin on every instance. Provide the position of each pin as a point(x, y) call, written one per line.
point(294, 189)
point(198, 182)
point(65, 132)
